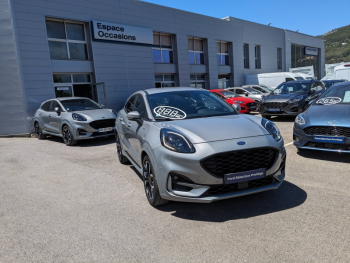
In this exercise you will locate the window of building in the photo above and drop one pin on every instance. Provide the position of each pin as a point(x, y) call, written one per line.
point(299, 59)
point(67, 40)
point(224, 81)
point(74, 85)
point(257, 57)
point(279, 58)
point(198, 81)
point(222, 53)
point(246, 55)
point(164, 80)
point(162, 48)
point(195, 51)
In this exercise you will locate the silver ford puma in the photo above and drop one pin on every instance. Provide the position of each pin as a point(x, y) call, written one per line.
point(73, 119)
point(191, 146)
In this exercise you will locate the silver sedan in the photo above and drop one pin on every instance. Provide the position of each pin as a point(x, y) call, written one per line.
point(73, 119)
point(191, 146)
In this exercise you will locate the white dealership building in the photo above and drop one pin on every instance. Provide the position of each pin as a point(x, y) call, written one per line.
point(108, 49)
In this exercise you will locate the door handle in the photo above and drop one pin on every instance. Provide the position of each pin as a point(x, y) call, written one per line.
point(49, 115)
point(129, 124)
point(121, 119)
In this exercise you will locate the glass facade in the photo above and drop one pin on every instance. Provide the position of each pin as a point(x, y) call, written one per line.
point(299, 59)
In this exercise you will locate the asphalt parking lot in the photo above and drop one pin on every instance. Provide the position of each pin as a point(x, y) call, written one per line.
point(78, 204)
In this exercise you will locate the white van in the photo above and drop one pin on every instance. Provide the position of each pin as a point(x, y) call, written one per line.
point(272, 79)
point(305, 76)
point(342, 72)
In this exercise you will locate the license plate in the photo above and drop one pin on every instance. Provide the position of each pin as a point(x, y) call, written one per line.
point(245, 176)
point(105, 129)
point(275, 110)
point(329, 139)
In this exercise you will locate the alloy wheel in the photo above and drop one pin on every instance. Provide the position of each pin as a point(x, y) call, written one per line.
point(38, 130)
point(67, 136)
point(148, 179)
point(119, 148)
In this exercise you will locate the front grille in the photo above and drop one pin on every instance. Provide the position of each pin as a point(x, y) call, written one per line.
point(239, 161)
point(275, 105)
point(222, 189)
point(329, 146)
point(251, 104)
point(102, 123)
point(327, 130)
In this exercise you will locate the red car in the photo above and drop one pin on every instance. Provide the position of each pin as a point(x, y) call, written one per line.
point(247, 105)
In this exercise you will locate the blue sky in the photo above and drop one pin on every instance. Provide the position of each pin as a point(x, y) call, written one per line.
point(312, 17)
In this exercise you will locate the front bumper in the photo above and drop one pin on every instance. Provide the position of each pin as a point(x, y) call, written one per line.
point(202, 186)
point(304, 141)
point(280, 108)
point(83, 131)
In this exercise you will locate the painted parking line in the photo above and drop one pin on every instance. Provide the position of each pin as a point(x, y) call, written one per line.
point(288, 144)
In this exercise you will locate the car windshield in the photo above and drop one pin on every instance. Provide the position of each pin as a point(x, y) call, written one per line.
point(267, 87)
point(228, 94)
point(292, 88)
point(80, 105)
point(329, 83)
point(253, 91)
point(177, 105)
point(339, 94)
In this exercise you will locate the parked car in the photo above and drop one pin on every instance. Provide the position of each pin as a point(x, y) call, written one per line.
point(290, 98)
point(73, 119)
point(258, 88)
point(272, 79)
point(331, 82)
point(188, 150)
point(247, 92)
point(269, 88)
point(247, 105)
point(325, 125)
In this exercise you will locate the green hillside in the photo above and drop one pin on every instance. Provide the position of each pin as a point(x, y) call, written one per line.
point(337, 45)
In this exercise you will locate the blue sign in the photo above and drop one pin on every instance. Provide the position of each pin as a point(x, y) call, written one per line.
point(241, 143)
point(329, 139)
point(245, 176)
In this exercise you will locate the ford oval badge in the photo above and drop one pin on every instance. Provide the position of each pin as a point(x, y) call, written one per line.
point(241, 143)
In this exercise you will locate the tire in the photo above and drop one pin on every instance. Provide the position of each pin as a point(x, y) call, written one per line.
point(38, 131)
point(122, 159)
point(67, 136)
point(150, 184)
point(266, 116)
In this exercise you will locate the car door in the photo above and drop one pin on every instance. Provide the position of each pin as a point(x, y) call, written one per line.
point(54, 118)
point(44, 115)
point(138, 131)
point(123, 121)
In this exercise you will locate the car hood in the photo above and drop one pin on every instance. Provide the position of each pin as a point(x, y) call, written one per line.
point(97, 114)
point(337, 115)
point(201, 130)
point(281, 97)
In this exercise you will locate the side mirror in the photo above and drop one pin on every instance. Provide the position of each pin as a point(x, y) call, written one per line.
point(246, 94)
point(134, 116)
point(103, 106)
point(57, 110)
point(236, 107)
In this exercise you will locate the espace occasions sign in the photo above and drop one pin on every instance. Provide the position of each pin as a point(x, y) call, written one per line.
point(123, 33)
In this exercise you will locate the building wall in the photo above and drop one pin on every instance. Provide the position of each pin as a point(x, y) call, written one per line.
point(12, 104)
point(126, 68)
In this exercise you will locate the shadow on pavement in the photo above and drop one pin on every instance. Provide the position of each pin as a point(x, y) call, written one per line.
point(325, 156)
point(85, 143)
point(286, 197)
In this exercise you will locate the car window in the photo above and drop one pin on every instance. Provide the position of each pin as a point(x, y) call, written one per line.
point(228, 94)
point(289, 79)
point(140, 107)
point(46, 106)
point(259, 89)
point(253, 91)
point(240, 91)
point(187, 105)
point(292, 87)
point(129, 105)
point(54, 104)
point(218, 95)
point(80, 105)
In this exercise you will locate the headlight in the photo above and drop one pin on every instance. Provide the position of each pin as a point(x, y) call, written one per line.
point(175, 141)
point(296, 99)
point(78, 117)
point(271, 128)
point(239, 102)
point(300, 120)
point(115, 113)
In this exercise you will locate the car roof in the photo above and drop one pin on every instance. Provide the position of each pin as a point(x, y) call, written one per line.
point(69, 98)
point(219, 90)
point(170, 89)
point(301, 81)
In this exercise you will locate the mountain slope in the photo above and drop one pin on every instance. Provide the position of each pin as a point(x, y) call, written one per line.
point(337, 45)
